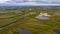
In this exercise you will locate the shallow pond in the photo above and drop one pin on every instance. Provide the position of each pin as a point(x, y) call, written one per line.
point(42, 17)
point(23, 31)
point(57, 31)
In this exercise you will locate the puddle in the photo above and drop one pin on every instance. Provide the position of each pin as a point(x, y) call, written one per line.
point(57, 31)
point(42, 17)
point(23, 31)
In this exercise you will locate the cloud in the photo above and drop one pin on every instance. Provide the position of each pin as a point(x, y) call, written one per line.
point(4, 1)
point(51, 1)
point(31, 1)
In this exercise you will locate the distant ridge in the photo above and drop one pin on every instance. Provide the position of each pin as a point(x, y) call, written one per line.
point(29, 6)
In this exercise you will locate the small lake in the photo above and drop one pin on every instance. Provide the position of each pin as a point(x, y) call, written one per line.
point(42, 17)
point(23, 31)
point(57, 31)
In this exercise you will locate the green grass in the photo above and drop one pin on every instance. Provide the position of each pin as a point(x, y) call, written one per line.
point(29, 22)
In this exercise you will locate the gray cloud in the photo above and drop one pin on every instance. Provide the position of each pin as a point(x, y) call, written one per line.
point(31, 2)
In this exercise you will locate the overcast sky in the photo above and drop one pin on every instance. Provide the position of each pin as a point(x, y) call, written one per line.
point(30, 2)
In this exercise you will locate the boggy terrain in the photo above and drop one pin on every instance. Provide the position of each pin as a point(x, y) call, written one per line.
point(25, 21)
